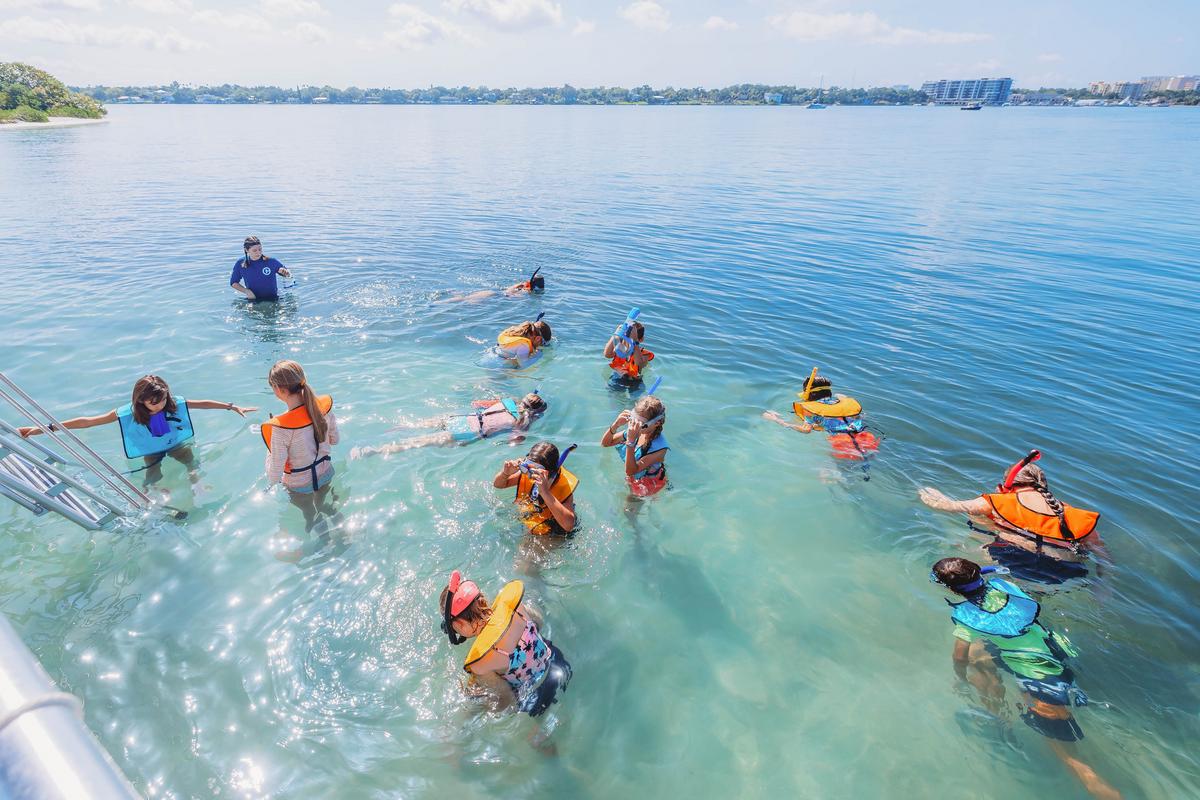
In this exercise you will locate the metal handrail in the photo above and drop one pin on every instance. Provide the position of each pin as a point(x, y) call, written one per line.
point(46, 750)
point(15, 446)
point(138, 498)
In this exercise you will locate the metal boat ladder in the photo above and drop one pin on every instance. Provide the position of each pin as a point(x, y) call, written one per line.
point(33, 475)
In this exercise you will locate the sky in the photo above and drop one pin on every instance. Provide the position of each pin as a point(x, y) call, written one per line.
point(518, 43)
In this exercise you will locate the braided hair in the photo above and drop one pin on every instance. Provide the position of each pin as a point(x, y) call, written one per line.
point(1033, 476)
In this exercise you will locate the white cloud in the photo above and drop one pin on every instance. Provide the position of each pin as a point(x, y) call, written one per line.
point(161, 6)
point(310, 33)
point(720, 24)
point(1050, 58)
point(51, 5)
point(646, 14)
point(60, 32)
point(237, 21)
point(583, 27)
point(288, 9)
point(865, 26)
point(512, 14)
point(413, 28)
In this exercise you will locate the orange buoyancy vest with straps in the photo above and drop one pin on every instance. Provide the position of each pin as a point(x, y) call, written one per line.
point(295, 419)
point(628, 366)
point(508, 343)
point(537, 515)
point(1008, 510)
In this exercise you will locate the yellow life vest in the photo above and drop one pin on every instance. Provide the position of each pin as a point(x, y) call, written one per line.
point(843, 407)
point(536, 515)
point(503, 608)
point(511, 342)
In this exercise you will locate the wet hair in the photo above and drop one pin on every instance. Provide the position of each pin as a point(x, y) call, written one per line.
point(545, 454)
point(526, 330)
point(1031, 475)
point(533, 402)
point(954, 572)
point(637, 332)
point(650, 407)
point(289, 376)
point(537, 283)
point(251, 241)
point(478, 610)
point(818, 387)
point(150, 389)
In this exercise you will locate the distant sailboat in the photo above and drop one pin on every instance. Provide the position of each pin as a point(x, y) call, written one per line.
point(817, 103)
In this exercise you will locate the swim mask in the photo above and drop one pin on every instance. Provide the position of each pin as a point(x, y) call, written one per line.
point(970, 586)
point(158, 424)
point(459, 597)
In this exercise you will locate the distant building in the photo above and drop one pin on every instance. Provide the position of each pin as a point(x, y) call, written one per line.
point(1172, 83)
point(989, 91)
point(773, 98)
point(901, 87)
point(1041, 99)
point(321, 99)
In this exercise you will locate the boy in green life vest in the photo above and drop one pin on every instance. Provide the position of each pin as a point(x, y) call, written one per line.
point(996, 627)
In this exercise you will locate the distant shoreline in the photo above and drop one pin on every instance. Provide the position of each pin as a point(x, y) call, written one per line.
point(54, 122)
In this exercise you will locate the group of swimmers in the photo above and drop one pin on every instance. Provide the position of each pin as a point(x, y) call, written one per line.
point(997, 625)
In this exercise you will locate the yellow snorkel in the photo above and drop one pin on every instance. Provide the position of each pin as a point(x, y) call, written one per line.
point(808, 384)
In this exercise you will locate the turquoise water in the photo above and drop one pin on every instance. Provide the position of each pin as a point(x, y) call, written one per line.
point(983, 283)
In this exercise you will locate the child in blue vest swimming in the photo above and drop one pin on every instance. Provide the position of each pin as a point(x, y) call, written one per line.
point(154, 424)
point(996, 627)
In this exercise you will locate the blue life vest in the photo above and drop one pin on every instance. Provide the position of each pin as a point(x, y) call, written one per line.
point(659, 443)
point(1013, 619)
point(842, 424)
point(139, 440)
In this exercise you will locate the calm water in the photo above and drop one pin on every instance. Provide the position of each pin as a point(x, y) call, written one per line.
point(983, 283)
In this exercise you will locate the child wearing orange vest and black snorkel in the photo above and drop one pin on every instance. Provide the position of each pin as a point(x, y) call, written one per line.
point(1025, 516)
point(545, 490)
point(299, 441)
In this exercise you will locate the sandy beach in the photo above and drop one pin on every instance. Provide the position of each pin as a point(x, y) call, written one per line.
point(55, 122)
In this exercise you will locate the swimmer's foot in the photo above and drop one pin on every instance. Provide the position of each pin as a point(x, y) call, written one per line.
point(290, 556)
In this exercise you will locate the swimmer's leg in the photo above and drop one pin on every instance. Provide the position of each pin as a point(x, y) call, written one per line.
point(1096, 786)
point(430, 440)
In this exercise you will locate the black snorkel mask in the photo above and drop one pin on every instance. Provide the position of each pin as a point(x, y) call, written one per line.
point(970, 586)
point(449, 612)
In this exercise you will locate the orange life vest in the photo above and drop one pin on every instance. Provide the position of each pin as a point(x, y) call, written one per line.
point(1010, 513)
point(292, 420)
point(535, 514)
point(628, 366)
point(508, 344)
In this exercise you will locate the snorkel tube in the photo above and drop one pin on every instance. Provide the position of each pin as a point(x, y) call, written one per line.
point(529, 287)
point(526, 464)
point(625, 345)
point(808, 385)
point(1011, 475)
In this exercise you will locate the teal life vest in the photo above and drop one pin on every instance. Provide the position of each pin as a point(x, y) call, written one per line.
point(1014, 618)
point(138, 440)
point(658, 443)
point(510, 406)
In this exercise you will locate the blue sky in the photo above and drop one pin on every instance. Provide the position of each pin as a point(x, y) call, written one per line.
point(598, 42)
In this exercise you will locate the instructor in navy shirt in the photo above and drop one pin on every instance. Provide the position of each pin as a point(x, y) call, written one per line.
point(257, 272)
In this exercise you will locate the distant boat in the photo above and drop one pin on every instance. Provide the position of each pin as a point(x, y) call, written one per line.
point(971, 107)
point(817, 103)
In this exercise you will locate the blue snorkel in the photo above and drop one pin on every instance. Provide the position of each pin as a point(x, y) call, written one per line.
point(975, 585)
point(625, 345)
point(526, 464)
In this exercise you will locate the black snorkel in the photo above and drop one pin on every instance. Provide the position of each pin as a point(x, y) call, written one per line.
point(447, 622)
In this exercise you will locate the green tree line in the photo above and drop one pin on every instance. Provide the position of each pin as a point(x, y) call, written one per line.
point(31, 95)
point(742, 94)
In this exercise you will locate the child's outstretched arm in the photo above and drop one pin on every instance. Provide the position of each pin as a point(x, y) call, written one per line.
point(74, 424)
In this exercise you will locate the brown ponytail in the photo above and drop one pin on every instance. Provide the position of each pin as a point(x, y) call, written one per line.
point(289, 376)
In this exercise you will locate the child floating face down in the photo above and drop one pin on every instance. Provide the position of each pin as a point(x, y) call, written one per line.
point(1025, 514)
point(522, 343)
point(838, 415)
point(641, 446)
point(535, 284)
point(153, 425)
point(545, 489)
point(489, 418)
point(997, 627)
